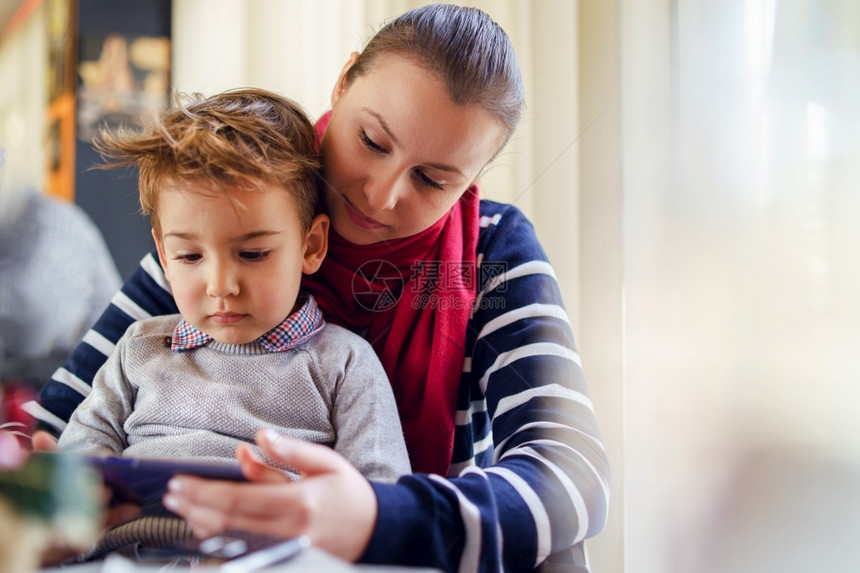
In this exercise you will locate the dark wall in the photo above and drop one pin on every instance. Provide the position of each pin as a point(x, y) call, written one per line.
point(110, 197)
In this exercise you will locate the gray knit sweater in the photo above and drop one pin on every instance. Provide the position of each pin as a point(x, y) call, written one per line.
point(149, 402)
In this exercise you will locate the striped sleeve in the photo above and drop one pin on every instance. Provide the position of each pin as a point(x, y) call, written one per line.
point(529, 479)
point(145, 293)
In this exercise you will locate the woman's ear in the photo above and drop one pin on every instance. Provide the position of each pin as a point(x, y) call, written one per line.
point(340, 86)
point(316, 244)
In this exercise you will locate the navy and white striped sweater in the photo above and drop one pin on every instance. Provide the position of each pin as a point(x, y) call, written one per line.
point(529, 475)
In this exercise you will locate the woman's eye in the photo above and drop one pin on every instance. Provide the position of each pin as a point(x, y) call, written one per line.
point(422, 177)
point(254, 256)
point(369, 143)
point(187, 259)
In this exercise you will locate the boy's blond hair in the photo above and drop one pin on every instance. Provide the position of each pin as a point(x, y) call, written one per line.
point(241, 138)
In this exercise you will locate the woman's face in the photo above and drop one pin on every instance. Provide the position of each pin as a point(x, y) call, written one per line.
point(398, 153)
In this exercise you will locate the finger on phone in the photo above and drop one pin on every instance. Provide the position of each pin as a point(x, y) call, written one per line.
point(254, 469)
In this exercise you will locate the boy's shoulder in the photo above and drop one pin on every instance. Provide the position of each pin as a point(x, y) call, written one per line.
point(333, 334)
point(336, 343)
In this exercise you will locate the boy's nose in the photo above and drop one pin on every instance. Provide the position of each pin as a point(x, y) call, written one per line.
point(223, 282)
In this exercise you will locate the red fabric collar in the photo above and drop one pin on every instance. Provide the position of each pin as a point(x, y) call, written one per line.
point(411, 299)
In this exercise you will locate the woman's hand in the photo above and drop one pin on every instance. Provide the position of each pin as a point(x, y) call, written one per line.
point(332, 503)
point(255, 469)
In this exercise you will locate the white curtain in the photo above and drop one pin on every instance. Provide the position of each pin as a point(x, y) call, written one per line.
point(740, 287)
point(23, 101)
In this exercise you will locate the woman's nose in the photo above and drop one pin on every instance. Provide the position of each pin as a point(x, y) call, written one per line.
point(223, 281)
point(383, 191)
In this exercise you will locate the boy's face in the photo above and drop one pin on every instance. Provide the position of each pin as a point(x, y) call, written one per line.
point(235, 260)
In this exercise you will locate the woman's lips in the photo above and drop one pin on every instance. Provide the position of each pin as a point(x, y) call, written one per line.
point(359, 218)
point(227, 317)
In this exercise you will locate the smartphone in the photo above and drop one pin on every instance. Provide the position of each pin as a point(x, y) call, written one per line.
point(144, 481)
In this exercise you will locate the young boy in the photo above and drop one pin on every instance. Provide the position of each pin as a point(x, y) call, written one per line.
point(230, 185)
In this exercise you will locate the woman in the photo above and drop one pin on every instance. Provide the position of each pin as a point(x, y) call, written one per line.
point(458, 300)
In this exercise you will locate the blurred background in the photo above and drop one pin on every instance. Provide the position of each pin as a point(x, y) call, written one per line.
point(692, 168)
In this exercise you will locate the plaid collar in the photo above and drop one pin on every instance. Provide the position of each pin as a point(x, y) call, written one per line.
point(297, 328)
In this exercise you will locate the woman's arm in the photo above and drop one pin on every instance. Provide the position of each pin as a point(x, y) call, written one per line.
point(144, 294)
point(532, 472)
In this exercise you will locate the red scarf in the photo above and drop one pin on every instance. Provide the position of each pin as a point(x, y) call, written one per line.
point(411, 299)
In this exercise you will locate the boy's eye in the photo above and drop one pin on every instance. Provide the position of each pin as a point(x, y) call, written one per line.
point(255, 256)
point(369, 143)
point(187, 259)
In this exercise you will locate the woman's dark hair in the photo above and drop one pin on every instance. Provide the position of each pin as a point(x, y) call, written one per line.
point(465, 47)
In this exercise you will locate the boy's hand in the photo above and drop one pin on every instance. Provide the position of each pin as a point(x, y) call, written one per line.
point(119, 514)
